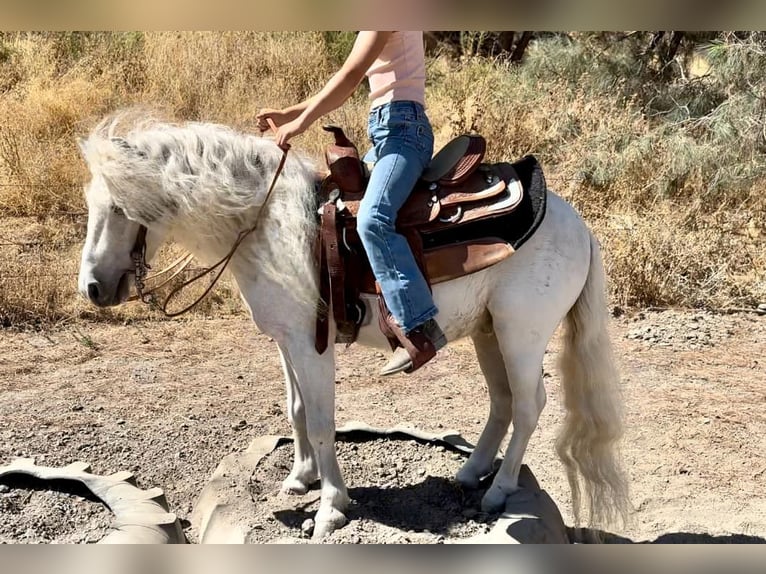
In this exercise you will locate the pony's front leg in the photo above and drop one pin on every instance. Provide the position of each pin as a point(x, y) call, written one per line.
point(315, 378)
point(304, 472)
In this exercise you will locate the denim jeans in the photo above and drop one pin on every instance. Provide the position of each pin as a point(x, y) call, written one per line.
point(402, 144)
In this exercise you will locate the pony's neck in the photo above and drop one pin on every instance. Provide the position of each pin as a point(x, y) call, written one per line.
point(279, 250)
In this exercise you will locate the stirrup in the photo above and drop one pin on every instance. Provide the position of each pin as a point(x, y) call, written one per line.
point(399, 362)
point(416, 344)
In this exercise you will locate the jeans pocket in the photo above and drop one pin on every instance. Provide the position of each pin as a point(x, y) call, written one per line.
point(424, 141)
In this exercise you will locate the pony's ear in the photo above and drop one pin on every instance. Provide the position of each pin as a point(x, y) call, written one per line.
point(126, 146)
point(123, 143)
point(82, 143)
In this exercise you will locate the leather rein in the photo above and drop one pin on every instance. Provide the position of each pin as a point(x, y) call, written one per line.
point(141, 267)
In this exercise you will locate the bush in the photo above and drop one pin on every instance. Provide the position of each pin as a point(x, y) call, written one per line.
point(663, 156)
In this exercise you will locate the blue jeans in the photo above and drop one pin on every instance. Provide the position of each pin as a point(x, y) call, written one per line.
point(402, 144)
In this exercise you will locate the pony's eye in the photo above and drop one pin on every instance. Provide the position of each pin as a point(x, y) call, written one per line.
point(117, 210)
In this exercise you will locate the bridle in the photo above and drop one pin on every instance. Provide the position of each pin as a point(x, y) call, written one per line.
point(141, 267)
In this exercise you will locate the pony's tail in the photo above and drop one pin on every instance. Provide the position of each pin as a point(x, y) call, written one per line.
point(588, 441)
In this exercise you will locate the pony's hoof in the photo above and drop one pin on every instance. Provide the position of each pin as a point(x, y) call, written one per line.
point(467, 478)
point(327, 523)
point(295, 486)
point(494, 500)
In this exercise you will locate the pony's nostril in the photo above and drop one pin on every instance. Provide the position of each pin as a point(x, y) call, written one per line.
point(93, 291)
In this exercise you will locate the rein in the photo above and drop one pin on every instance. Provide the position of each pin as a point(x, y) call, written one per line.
point(138, 255)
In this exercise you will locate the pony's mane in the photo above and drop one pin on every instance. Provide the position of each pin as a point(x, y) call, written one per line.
point(197, 169)
point(206, 183)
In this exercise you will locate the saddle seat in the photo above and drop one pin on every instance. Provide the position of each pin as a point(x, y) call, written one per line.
point(456, 221)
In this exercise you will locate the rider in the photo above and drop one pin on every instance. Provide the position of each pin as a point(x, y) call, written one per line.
point(402, 143)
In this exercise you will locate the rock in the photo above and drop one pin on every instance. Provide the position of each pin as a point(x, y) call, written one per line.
point(144, 373)
point(4, 489)
point(530, 517)
point(307, 528)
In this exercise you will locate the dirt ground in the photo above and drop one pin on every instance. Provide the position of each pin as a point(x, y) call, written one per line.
point(168, 400)
point(401, 492)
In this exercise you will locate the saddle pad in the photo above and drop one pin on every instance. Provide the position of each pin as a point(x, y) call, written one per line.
point(516, 227)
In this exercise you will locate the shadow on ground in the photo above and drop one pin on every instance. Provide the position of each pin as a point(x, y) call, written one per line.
point(441, 504)
point(586, 536)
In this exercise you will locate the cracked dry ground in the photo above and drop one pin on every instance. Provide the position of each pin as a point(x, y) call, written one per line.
point(168, 400)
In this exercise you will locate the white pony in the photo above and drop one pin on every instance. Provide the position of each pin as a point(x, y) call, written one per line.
point(204, 183)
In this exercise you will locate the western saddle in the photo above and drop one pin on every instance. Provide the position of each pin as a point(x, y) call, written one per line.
point(462, 216)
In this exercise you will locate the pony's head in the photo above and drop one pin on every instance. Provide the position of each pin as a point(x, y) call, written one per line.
point(106, 266)
point(203, 184)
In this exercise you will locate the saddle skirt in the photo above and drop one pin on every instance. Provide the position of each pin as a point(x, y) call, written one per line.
point(462, 216)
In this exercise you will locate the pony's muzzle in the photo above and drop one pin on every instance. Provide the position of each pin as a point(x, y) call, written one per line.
point(101, 295)
point(98, 294)
point(94, 291)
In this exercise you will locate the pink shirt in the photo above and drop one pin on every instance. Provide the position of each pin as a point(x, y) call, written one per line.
point(399, 73)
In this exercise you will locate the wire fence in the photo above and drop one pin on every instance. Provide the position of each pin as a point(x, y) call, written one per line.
point(68, 243)
point(34, 253)
point(22, 258)
point(38, 278)
point(37, 243)
point(40, 260)
point(47, 255)
point(57, 213)
point(37, 259)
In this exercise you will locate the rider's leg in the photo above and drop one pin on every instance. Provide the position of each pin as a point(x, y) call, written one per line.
point(403, 144)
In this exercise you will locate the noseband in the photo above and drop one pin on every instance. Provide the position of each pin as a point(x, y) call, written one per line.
point(141, 267)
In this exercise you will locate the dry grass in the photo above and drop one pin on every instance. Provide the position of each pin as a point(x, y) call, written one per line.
point(669, 175)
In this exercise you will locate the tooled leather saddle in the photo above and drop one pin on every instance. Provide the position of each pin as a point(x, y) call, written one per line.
point(463, 216)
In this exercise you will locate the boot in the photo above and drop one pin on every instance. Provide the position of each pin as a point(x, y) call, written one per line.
point(419, 347)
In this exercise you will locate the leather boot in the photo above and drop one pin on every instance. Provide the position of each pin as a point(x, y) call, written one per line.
point(419, 347)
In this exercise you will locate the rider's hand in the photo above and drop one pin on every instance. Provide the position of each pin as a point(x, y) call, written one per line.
point(279, 117)
point(288, 131)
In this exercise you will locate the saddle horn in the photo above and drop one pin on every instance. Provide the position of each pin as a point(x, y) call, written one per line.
point(343, 160)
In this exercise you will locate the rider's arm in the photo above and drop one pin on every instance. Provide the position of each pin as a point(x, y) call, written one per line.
point(367, 48)
point(299, 117)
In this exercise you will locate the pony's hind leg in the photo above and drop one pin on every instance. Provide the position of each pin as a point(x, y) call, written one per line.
point(480, 463)
point(525, 375)
point(304, 472)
